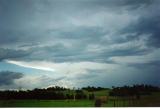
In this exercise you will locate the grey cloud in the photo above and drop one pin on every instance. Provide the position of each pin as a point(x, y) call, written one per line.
point(59, 79)
point(149, 26)
point(76, 53)
point(131, 75)
point(110, 3)
point(133, 51)
point(39, 81)
point(151, 70)
point(148, 23)
point(90, 74)
point(81, 32)
point(12, 54)
point(46, 30)
point(46, 81)
point(136, 4)
point(153, 65)
point(8, 77)
point(35, 21)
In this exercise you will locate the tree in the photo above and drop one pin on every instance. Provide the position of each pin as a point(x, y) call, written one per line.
point(91, 96)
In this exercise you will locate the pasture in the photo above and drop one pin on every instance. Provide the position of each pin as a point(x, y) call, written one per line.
point(148, 100)
point(46, 103)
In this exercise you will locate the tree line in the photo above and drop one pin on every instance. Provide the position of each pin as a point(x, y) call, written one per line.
point(61, 93)
point(92, 88)
point(135, 90)
point(51, 93)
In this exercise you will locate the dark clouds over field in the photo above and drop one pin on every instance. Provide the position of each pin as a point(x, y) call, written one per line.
point(81, 42)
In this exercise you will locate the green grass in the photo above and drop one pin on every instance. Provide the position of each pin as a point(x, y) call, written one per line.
point(46, 103)
point(55, 103)
point(145, 101)
point(102, 93)
point(99, 93)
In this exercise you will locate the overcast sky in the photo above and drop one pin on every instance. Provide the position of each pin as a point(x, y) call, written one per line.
point(76, 43)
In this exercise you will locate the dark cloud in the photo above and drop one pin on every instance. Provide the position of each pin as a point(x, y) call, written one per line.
point(148, 23)
point(151, 70)
point(77, 53)
point(151, 26)
point(110, 3)
point(79, 30)
point(8, 77)
point(38, 23)
point(153, 65)
point(136, 4)
point(12, 54)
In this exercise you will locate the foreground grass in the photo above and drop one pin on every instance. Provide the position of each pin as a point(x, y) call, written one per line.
point(80, 103)
point(145, 101)
point(46, 103)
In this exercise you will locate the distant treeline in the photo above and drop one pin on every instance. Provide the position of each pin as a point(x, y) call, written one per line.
point(55, 93)
point(135, 90)
point(61, 93)
point(90, 89)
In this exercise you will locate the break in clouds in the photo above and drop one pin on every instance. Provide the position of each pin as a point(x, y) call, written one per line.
point(77, 43)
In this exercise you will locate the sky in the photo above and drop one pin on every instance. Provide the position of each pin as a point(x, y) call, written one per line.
point(78, 43)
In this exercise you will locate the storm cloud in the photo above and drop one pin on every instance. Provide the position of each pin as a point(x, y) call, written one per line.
point(74, 38)
point(12, 53)
point(8, 77)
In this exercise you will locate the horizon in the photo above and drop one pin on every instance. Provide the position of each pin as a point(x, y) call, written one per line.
point(79, 88)
point(79, 43)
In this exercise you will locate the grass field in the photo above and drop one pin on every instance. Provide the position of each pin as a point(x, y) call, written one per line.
point(51, 103)
point(102, 93)
point(46, 103)
point(150, 100)
point(55, 103)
